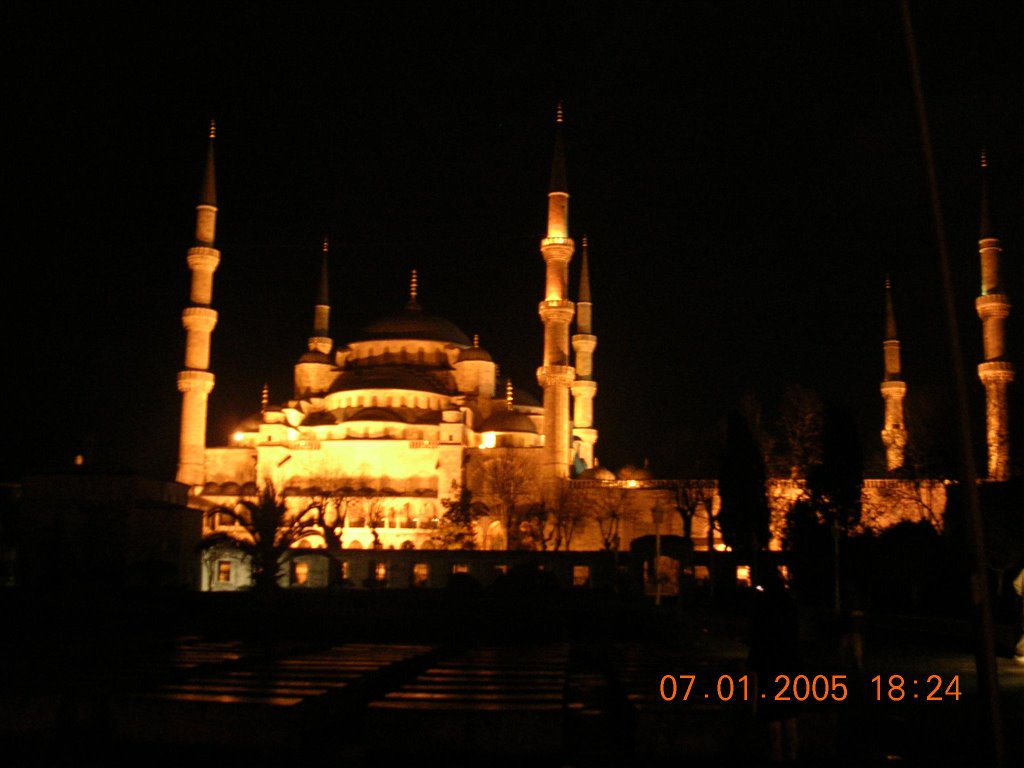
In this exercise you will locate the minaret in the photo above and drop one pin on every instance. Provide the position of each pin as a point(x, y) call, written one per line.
point(195, 382)
point(321, 340)
point(313, 370)
point(556, 375)
point(996, 372)
point(894, 433)
point(584, 387)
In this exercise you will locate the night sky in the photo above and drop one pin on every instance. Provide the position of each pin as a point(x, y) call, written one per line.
point(747, 173)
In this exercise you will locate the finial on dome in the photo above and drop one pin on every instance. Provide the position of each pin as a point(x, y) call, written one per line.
point(264, 398)
point(414, 289)
point(984, 158)
point(890, 315)
point(559, 114)
point(476, 341)
point(213, 129)
point(326, 244)
point(509, 394)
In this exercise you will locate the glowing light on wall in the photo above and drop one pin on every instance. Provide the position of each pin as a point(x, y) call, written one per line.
point(238, 437)
point(488, 440)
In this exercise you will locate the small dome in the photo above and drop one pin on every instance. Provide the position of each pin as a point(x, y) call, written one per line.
point(375, 414)
point(474, 353)
point(317, 418)
point(504, 420)
point(597, 473)
point(629, 472)
point(413, 323)
point(315, 356)
point(387, 377)
point(251, 423)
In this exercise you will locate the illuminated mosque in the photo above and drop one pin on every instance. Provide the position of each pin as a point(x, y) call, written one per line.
point(412, 411)
point(406, 412)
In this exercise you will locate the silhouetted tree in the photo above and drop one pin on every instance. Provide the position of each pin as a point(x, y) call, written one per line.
point(800, 425)
point(457, 527)
point(264, 530)
point(509, 477)
point(744, 516)
point(834, 485)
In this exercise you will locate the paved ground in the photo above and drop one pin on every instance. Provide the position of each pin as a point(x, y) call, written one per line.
point(575, 702)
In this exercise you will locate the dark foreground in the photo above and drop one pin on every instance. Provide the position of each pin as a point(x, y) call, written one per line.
point(362, 678)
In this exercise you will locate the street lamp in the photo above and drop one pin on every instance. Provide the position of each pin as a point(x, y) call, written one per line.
point(657, 514)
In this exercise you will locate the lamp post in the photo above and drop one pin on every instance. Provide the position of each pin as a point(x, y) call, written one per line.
point(657, 514)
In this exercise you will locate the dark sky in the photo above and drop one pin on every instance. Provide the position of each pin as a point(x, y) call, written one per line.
point(746, 172)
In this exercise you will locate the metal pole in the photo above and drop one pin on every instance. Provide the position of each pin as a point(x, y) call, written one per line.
point(657, 560)
point(985, 662)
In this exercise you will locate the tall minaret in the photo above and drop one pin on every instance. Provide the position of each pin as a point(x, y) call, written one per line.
point(556, 312)
point(321, 340)
point(996, 372)
point(894, 433)
point(195, 382)
point(584, 387)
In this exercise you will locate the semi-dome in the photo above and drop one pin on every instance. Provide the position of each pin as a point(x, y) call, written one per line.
point(597, 473)
point(315, 356)
point(504, 420)
point(387, 377)
point(375, 414)
point(474, 353)
point(414, 323)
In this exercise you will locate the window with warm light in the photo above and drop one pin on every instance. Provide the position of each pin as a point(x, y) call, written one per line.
point(743, 575)
point(420, 574)
point(581, 575)
point(460, 567)
point(224, 571)
point(381, 572)
point(300, 573)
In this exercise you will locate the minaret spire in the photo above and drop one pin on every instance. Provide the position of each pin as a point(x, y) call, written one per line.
point(996, 372)
point(321, 339)
point(313, 371)
point(556, 312)
point(196, 382)
point(414, 290)
point(894, 389)
point(584, 388)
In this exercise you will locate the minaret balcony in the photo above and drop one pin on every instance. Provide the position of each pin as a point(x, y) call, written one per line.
point(556, 375)
point(556, 310)
point(993, 305)
point(996, 372)
point(894, 388)
point(584, 388)
point(557, 248)
point(584, 342)
point(190, 381)
point(200, 257)
point(201, 319)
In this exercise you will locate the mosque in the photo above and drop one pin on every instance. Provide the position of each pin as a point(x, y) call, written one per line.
point(394, 425)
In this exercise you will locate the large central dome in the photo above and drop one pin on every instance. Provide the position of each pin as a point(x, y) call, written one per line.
point(414, 323)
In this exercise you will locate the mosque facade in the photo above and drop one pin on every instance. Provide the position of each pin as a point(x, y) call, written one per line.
point(393, 427)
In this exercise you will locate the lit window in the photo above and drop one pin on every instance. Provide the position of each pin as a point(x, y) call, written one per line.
point(460, 568)
point(581, 575)
point(420, 574)
point(743, 575)
point(381, 572)
point(224, 571)
point(300, 575)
